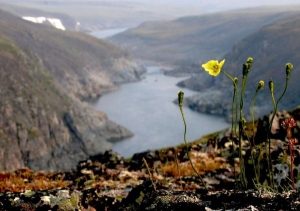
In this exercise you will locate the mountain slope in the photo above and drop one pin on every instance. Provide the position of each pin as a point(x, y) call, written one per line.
point(192, 39)
point(83, 65)
point(44, 73)
point(271, 47)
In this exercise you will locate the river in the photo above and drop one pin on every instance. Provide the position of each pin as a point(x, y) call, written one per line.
point(105, 33)
point(147, 109)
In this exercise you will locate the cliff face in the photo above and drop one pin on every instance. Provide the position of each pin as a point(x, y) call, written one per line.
point(44, 75)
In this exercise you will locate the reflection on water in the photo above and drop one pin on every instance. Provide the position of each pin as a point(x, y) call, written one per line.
point(107, 32)
point(147, 109)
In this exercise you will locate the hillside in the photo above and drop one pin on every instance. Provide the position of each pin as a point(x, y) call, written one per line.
point(192, 39)
point(44, 75)
point(271, 47)
point(83, 65)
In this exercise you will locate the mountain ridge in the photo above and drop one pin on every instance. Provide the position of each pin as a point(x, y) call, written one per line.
point(194, 39)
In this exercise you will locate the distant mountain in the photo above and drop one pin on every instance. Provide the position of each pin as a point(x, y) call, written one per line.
point(195, 39)
point(269, 34)
point(44, 75)
point(271, 47)
point(67, 21)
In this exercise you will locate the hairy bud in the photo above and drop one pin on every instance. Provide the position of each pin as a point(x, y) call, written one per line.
point(235, 81)
point(247, 66)
point(288, 68)
point(271, 86)
point(180, 98)
point(260, 85)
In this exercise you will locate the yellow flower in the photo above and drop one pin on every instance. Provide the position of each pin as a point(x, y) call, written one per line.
point(213, 67)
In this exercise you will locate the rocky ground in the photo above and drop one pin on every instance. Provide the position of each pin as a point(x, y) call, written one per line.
point(164, 179)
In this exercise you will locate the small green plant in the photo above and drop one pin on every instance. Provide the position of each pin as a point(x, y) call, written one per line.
point(255, 164)
point(288, 69)
point(180, 104)
point(214, 68)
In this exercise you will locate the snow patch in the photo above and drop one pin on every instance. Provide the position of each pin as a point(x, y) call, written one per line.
point(55, 22)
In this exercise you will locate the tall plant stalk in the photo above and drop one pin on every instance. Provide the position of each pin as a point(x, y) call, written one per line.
point(180, 104)
point(246, 69)
point(214, 68)
point(260, 85)
point(289, 67)
point(234, 81)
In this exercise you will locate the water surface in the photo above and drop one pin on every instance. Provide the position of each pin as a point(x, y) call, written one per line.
point(102, 34)
point(147, 109)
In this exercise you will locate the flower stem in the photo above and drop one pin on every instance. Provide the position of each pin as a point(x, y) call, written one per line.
point(241, 131)
point(228, 75)
point(275, 107)
point(186, 145)
point(233, 113)
point(252, 110)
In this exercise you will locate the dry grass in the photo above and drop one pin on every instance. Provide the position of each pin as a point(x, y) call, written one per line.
point(203, 163)
point(25, 179)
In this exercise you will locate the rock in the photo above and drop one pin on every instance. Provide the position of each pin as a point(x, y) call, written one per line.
point(210, 102)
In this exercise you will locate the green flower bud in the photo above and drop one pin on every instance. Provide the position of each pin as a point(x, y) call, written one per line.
point(235, 81)
point(180, 98)
point(247, 66)
point(288, 68)
point(260, 85)
point(271, 86)
point(250, 61)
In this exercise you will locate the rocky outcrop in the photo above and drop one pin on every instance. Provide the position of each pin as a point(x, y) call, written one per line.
point(209, 102)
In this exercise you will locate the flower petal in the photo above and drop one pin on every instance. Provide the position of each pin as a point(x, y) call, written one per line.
point(221, 64)
point(213, 67)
